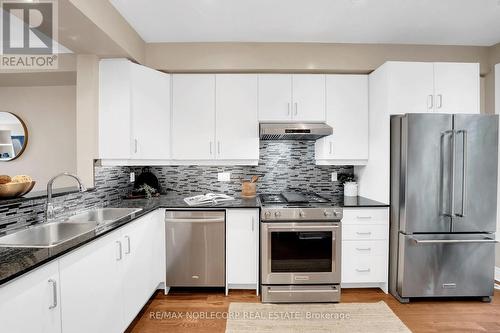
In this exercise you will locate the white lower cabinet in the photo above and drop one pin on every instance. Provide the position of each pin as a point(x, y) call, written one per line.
point(242, 246)
point(32, 303)
point(91, 285)
point(365, 248)
point(106, 283)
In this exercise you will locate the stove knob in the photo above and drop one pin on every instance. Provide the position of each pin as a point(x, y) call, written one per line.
point(267, 214)
point(335, 213)
point(301, 213)
point(327, 213)
point(277, 214)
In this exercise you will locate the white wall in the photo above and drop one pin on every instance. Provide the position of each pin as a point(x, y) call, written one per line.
point(50, 115)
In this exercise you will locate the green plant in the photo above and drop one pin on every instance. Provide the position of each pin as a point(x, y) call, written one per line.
point(346, 178)
point(148, 190)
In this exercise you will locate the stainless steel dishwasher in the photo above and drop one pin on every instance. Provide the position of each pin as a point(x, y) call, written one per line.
point(195, 248)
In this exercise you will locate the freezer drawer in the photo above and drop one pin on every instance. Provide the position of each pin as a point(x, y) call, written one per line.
point(446, 265)
point(195, 248)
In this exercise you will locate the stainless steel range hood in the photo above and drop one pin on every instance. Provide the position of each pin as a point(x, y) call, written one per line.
point(291, 131)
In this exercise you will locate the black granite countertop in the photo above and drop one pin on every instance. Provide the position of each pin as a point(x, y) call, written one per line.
point(15, 262)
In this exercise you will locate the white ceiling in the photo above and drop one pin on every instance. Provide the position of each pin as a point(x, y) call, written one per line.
point(451, 22)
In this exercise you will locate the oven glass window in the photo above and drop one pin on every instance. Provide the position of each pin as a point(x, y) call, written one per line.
point(305, 251)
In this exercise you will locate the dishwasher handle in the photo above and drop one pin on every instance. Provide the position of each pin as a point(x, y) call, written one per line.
point(194, 220)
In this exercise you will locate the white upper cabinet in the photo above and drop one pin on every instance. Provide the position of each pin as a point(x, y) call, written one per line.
point(456, 88)
point(115, 137)
point(134, 111)
point(419, 87)
point(193, 123)
point(275, 97)
point(309, 98)
point(411, 87)
point(237, 126)
point(150, 113)
point(292, 97)
point(347, 113)
point(215, 117)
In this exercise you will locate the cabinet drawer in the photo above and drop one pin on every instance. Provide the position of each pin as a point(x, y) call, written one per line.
point(364, 231)
point(363, 248)
point(364, 269)
point(365, 215)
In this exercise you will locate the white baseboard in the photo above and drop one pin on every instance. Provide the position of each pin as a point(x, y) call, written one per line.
point(497, 274)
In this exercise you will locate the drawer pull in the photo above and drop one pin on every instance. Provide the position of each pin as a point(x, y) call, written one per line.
point(363, 217)
point(364, 248)
point(367, 233)
point(363, 270)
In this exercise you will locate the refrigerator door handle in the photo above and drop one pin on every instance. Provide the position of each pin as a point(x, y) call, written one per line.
point(453, 157)
point(441, 171)
point(452, 241)
point(464, 172)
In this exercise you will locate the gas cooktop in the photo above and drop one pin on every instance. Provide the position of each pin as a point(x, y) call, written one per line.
point(297, 206)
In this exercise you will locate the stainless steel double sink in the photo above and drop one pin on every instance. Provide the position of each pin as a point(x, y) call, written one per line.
point(51, 234)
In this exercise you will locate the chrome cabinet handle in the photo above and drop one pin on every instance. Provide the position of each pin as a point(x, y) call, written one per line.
point(440, 101)
point(210, 147)
point(364, 233)
point(326, 228)
point(330, 147)
point(363, 217)
point(135, 145)
point(364, 248)
point(128, 244)
point(53, 305)
point(288, 108)
point(218, 148)
point(430, 101)
point(253, 223)
point(119, 256)
point(363, 270)
point(296, 108)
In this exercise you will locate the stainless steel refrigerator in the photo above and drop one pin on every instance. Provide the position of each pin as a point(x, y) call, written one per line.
point(443, 205)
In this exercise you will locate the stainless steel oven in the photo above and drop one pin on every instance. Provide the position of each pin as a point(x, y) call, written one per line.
point(300, 262)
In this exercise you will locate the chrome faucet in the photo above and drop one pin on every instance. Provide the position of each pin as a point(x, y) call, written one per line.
point(50, 212)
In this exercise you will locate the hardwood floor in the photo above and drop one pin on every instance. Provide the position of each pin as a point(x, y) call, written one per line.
point(419, 316)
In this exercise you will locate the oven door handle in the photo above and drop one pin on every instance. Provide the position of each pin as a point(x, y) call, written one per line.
point(305, 227)
point(304, 291)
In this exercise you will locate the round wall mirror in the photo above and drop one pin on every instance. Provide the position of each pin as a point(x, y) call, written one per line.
point(13, 136)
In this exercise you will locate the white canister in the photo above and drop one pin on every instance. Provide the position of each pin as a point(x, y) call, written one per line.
point(350, 189)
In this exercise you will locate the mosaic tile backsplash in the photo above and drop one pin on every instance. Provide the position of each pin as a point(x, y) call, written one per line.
point(111, 184)
point(283, 165)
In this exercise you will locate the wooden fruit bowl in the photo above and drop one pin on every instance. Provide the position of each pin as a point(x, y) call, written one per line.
point(14, 190)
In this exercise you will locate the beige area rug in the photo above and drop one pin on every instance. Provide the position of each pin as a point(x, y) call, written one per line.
point(315, 318)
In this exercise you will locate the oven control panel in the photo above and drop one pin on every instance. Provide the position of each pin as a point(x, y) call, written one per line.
point(301, 214)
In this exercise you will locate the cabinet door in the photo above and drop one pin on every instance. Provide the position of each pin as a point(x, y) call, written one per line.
point(309, 98)
point(275, 97)
point(150, 113)
point(193, 124)
point(91, 292)
point(114, 109)
point(456, 87)
point(32, 302)
point(237, 126)
point(242, 243)
point(347, 113)
point(138, 264)
point(411, 87)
